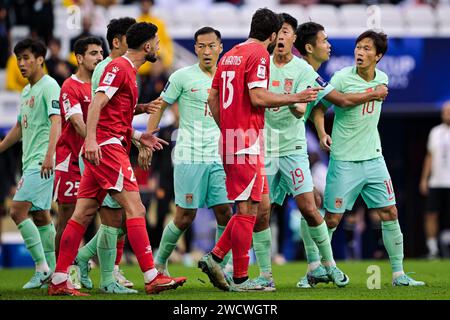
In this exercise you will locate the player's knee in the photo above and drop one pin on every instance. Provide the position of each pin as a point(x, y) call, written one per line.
point(17, 215)
point(389, 213)
point(42, 219)
point(184, 221)
point(332, 220)
point(262, 222)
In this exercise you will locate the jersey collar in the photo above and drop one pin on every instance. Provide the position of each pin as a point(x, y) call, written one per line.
point(131, 63)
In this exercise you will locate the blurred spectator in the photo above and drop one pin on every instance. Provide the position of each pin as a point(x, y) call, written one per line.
point(86, 32)
point(42, 22)
point(153, 85)
point(165, 41)
point(235, 2)
point(5, 36)
point(58, 69)
point(300, 2)
point(435, 181)
point(14, 79)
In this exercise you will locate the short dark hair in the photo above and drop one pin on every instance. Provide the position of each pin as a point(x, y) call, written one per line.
point(264, 23)
point(379, 39)
point(139, 33)
point(118, 28)
point(307, 34)
point(207, 30)
point(37, 47)
point(81, 45)
point(290, 20)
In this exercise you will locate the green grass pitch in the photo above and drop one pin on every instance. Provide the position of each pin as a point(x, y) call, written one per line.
point(435, 273)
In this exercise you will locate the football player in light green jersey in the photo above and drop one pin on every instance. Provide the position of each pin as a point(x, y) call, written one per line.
point(357, 165)
point(312, 43)
point(199, 177)
point(39, 126)
point(116, 35)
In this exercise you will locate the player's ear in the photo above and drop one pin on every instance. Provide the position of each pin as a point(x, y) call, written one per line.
point(309, 48)
point(116, 43)
point(221, 48)
point(40, 60)
point(378, 57)
point(79, 58)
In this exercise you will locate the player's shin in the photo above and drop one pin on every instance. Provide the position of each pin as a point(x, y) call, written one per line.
point(262, 243)
point(311, 249)
point(320, 237)
point(241, 238)
point(48, 234)
point(169, 240)
point(32, 239)
point(393, 242)
point(106, 251)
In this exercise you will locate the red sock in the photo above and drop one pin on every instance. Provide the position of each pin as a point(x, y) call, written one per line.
point(120, 245)
point(223, 245)
point(69, 244)
point(138, 238)
point(241, 240)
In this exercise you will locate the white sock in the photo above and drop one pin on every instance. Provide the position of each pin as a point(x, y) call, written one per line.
point(59, 277)
point(432, 246)
point(116, 267)
point(42, 267)
point(313, 265)
point(397, 274)
point(149, 275)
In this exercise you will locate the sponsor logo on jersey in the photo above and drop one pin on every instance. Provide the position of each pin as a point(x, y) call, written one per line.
point(194, 90)
point(321, 82)
point(263, 60)
point(338, 203)
point(261, 71)
point(189, 198)
point(288, 83)
point(109, 77)
point(87, 99)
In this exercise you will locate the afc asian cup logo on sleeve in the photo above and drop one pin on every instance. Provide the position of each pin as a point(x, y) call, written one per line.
point(109, 77)
point(338, 203)
point(321, 82)
point(261, 71)
point(66, 105)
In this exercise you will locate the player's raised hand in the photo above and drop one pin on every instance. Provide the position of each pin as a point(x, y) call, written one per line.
point(308, 95)
point(153, 106)
point(325, 142)
point(144, 157)
point(47, 167)
point(153, 142)
point(382, 91)
point(92, 151)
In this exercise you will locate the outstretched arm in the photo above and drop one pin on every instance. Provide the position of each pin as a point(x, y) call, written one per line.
point(354, 99)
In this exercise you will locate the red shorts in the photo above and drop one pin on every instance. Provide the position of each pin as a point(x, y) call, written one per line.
point(66, 185)
point(245, 177)
point(113, 173)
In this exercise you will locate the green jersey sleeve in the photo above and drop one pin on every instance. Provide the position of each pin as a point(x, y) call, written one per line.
point(51, 98)
point(173, 88)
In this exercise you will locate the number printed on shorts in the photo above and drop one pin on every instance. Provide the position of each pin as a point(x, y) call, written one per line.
point(227, 77)
point(297, 176)
point(132, 177)
point(72, 189)
point(389, 189)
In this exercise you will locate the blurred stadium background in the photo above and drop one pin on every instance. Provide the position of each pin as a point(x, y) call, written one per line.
point(417, 62)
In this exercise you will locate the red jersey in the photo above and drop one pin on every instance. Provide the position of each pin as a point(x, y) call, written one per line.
point(244, 67)
point(118, 82)
point(75, 98)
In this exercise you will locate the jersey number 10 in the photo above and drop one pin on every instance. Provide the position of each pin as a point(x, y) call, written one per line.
point(369, 106)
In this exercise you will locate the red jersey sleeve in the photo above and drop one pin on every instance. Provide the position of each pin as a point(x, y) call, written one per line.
point(69, 101)
point(258, 69)
point(111, 80)
point(215, 82)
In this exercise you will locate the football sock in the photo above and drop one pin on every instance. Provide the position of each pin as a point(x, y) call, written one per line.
point(47, 234)
point(262, 244)
point(227, 257)
point(70, 242)
point(106, 252)
point(88, 250)
point(138, 238)
point(241, 241)
point(312, 252)
point(120, 246)
point(32, 239)
point(320, 236)
point(393, 242)
point(169, 240)
point(223, 245)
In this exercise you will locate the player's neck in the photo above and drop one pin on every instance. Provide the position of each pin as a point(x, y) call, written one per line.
point(367, 74)
point(312, 62)
point(209, 71)
point(282, 59)
point(254, 40)
point(115, 54)
point(136, 58)
point(84, 75)
point(34, 78)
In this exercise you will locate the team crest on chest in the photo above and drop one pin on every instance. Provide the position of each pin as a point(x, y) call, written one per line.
point(288, 83)
point(31, 102)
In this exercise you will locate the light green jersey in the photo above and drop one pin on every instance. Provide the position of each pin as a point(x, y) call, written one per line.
point(284, 133)
point(97, 74)
point(37, 104)
point(355, 134)
point(198, 134)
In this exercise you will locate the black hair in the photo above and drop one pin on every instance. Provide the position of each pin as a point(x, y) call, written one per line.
point(139, 33)
point(118, 28)
point(37, 47)
point(379, 40)
point(290, 20)
point(307, 34)
point(207, 30)
point(264, 23)
point(81, 45)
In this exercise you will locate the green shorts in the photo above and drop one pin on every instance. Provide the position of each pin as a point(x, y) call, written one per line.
point(108, 202)
point(32, 188)
point(288, 175)
point(199, 185)
point(346, 180)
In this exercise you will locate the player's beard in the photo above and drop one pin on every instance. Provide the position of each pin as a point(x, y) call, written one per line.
point(151, 57)
point(271, 47)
